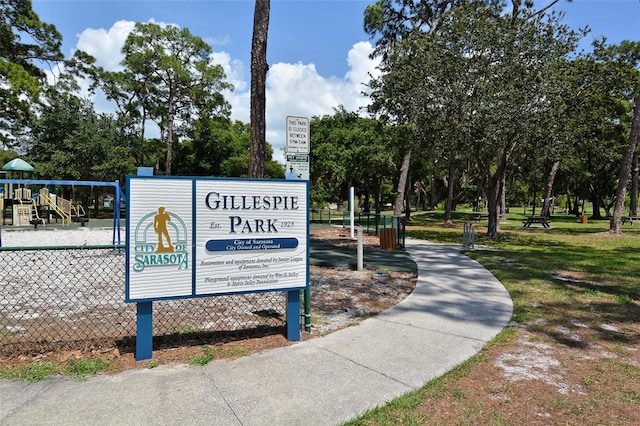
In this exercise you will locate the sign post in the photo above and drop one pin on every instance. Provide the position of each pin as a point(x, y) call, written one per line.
point(298, 148)
point(144, 310)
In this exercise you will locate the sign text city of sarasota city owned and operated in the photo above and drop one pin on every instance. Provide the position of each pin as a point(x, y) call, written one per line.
point(191, 237)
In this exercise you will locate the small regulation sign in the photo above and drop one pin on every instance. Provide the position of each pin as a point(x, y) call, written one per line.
point(297, 167)
point(297, 130)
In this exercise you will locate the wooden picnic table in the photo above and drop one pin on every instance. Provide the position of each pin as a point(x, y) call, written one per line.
point(536, 219)
point(630, 219)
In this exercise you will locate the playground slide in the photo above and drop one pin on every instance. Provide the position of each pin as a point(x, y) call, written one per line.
point(60, 206)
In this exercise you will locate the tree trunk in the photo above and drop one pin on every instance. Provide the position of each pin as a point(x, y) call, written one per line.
point(170, 117)
point(633, 196)
point(626, 169)
point(494, 191)
point(367, 200)
point(595, 202)
point(402, 183)
point(533, 204)
point(503, 199)
point(407, 200)
point(449, 202)
point(493, 199)
point(548, 190)
point(142, 133)
point(576, 206)
point(376, 196)
point(259, 68)
point(433, 199)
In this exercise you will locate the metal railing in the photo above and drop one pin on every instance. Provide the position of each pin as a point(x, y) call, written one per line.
point(371, 222)
point(73, 298)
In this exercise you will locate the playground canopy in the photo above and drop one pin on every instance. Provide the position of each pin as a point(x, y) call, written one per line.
point(18, 165)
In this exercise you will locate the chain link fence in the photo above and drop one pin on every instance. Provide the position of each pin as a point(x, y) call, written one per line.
point(72, 298)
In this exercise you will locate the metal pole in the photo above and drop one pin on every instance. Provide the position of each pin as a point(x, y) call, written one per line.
point(360, 249)
point(307, 308)
point(351, 203)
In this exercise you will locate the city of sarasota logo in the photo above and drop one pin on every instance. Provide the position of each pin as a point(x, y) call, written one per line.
point(160, 239)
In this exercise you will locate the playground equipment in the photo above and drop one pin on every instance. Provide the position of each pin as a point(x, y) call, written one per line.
point(41, 208)
point(64, 209)
point(25, 209)
point(38, 209)
point(44, 207)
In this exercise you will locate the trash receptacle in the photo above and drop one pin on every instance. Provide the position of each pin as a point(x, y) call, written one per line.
point(388, 239)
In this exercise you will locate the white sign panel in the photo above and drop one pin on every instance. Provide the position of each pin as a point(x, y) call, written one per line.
point(297, 167)
point(159, 218)
point(190, 237)
point(250, 237)
point(297, 130)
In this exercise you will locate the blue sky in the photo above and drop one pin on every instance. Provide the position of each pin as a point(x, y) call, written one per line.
point(317, 49)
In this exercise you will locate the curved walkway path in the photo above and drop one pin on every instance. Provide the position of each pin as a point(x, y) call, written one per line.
point(456, 308)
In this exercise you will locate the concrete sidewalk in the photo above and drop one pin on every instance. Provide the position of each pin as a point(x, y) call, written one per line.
point(455, 309)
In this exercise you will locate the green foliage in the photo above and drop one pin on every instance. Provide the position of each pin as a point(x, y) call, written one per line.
point(220, 147)
point(70, 141)
point(7, 155)
point(597, 92)
point(479, 90)
point(168, 78)
point(24, 41)
point(349, 150)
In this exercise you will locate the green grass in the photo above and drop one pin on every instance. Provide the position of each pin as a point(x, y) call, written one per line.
point(573, 271)
point(209, 353)
point(41, 370)
point(189, 329)
point(32, 372)
point(87, 367)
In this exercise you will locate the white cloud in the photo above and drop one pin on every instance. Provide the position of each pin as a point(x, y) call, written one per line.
point(106, 45)
point(234, 69)
point(298, 90)
point(292, 89)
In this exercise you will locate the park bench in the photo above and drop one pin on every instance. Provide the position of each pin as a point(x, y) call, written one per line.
point(36, 222)
point(536, 219)
point(630, 219)
point(82, 220)
point(480, 217)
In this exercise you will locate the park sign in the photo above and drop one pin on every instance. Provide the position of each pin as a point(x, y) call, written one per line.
point(193, 237)
point(297, 139)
